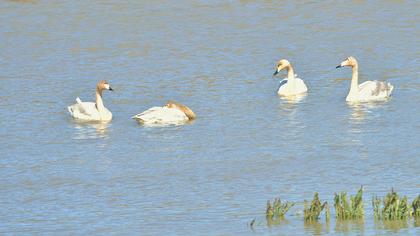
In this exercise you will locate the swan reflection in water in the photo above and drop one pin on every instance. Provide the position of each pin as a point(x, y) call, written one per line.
point(91, 130)
point(361, 111)
point(293, 99)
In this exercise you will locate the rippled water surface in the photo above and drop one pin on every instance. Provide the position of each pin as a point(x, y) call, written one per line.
point(213, 176)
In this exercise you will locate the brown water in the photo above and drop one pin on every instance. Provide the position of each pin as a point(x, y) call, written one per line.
point(211, 177)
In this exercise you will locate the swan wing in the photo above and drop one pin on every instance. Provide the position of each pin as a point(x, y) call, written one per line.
point(84, 110)
point(282, 82)
point(375, 88)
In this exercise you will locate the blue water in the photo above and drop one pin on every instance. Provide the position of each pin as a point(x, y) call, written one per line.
point(211, 177)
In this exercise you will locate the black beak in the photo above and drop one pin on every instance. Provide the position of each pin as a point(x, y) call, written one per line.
point(111, 89)
point(338, 66)
point(275, 73)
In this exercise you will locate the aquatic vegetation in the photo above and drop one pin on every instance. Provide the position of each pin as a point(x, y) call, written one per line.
point(278, 210)
point(252, 223)
point(393, 207)
point(416, 207)
point(391, 212)
point(312, 212)
point(345, 209)
point(376, 204)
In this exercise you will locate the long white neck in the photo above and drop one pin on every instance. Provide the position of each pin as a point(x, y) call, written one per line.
point(290, 72)
point(99, 103)
point(354, 87)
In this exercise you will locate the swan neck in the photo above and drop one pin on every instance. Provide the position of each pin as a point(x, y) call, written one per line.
point(290, 72)
point(354, 78)
point(99, 102)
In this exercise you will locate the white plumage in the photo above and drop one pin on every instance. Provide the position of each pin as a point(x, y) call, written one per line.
point(87, 111)
point(161, 115)
point(90, 111)
point(370, 91)
point(290, 85)
point(171, 114)
point(367, 91)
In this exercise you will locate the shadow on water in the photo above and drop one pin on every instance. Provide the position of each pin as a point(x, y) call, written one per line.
point(276, 222)
point(350, 226)
point(316, 228)
point(416, 222)
point(391, 225)
point(91, 130)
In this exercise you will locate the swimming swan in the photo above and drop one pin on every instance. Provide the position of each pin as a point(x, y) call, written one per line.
point(367, 91)
point(90, 111)
point(290, 85)
point(171, 113)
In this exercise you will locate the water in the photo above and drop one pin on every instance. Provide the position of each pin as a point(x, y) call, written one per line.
point(211, 177)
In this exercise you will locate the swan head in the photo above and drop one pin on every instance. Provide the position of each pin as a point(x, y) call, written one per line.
point(350, 61)
point(187, 111)
point(103, 85)
point(283, 63)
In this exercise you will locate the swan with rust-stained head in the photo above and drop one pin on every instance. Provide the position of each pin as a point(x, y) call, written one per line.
point(366, 91)
point(92, 111)
point(171, 113)
point(290, 85)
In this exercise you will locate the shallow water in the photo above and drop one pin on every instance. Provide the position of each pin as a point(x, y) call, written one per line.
point(211, 177)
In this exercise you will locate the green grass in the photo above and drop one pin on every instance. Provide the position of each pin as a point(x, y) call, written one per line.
point(312, 212)
point(349, 210)
point(278, 210)
point(416, 207)
point(392, 207)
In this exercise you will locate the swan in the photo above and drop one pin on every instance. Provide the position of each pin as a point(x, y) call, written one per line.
point(171, 113)
point(290, 85)
point(367, 91)
point(90, 111)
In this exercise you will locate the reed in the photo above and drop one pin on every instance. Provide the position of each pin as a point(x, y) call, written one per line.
point(416, 207)
point(312, 212)
point(376, 204)
point(393, 207)
point(349, 210)
point(277, 210)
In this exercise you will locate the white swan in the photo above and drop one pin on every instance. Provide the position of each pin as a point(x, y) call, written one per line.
point(171, 113)
point(367, 91)
point(291, 85)
point(90, 111)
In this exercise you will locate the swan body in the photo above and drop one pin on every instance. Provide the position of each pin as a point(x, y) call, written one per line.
point(171, 113)
point(90, 111)
point(367, 91)
point(290, 85)
point(371, 91)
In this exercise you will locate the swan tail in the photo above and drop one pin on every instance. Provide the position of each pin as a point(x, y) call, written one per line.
point(391, 87)
point(70, 109)
point(81, 106)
